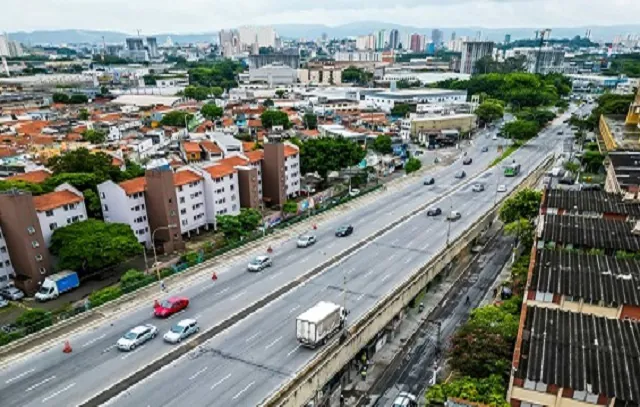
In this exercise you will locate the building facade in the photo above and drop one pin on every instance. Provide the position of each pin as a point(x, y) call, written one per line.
point(58, 209)
point(472, 51)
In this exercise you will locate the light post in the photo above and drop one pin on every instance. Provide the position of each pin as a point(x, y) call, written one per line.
point(450, 220)
point(153, 243)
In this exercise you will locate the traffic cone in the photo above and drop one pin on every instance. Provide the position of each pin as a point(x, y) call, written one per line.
point(269, 250)
point(315, 227)
point(67, 347)
point(214, 276)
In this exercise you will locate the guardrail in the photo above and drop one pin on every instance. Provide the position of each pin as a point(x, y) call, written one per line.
point(333, 357)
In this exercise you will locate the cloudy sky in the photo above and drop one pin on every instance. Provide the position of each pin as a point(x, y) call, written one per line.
point(191, 16)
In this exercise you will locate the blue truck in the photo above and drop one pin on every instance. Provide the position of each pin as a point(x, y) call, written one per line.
point(57, 284)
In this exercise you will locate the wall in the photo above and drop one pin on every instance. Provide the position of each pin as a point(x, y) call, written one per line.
point(273, 174)
point(191, 206)
point(248, 188)
point(118, 207)
point(162, 210)
point(6, 267)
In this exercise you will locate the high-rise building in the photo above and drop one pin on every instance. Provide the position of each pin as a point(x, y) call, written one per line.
point(380, 40)
point(394, 39)
point(472, 51)
point(10, 48)
point(507, 38)
point(417, 43)
point(135, 44)
point(4, 46)
point(265, 36)
point(436, 37)
point(453, 36)
point(229, 42)
point(152, 47)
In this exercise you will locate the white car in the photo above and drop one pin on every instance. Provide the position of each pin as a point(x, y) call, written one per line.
point(3, 303)
point(405, 399)
point(478, 188)
point(12, 293)
point(354, 192)
point(181, 330)
point(259, 263)
point(137, 336)
point(306, 240)
point(502, 188)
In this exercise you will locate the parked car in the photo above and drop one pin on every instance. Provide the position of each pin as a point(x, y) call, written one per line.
point(181, 330)
point(259, 263)
point(3, 303)
point(434, 211)
point(495, 137)
point(136, 337)
point(484, 149)
point(306, 240)
point(405, 399)
point(454, 216)
point(345, 230)
point(171, 306)
point(478, 188)
point(354, 192)
point(502, 188)
point(467, 161)
point(429, 181)
point(11, 293)
point(460, 174)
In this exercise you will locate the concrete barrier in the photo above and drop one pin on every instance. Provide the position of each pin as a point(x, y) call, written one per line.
point(336, 355)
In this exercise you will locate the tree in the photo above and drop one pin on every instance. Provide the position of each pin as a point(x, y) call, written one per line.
point(93, 245)
point(290, 207)
point(489, 391)
point(211, 111)
point(402, 109)
point(382, 144)
point(197, 92)
point(540, 116)
point(249, 219)
point(218, 74)
point(230, 226)
point(7, 185)
point(520, 130)
point(524, 204)
point(310, 121)
point(94, 136)
point(272, 118)
point(83, 114)
point(60, 98)
point(176, 118)
point(572, 167)
point(489, 111)
point(34, 319)
point(412, 165)
point(523, 230)
point(104, 90)
point(593, 160)
point(92, 204)
point(78, 98)
point(280, 93)
point(216, 91)
point(134, 279)
point(353, 74)
point(268, 103)
point(84, 161)
point(323, 155)
point(495, 320)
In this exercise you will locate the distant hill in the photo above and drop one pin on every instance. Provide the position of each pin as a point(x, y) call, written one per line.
point(312, 31)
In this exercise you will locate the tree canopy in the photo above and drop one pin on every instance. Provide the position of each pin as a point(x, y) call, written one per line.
point(268, 103)
point(176, 118)
point(490, 111)
point(220, 74)
point(211, 111)
point(310, 121)
point(197, 92)
point(412, 165)
point(383, 144)
point(93, 245)
point(520, 130)
point(272, 118)
point(236, 226)
point(524, 204)
point(489, 391)
point(74, 99)
point(83, 160)
point(353, 74)
point(323, 155)
point(402, 109)
point(94, 136)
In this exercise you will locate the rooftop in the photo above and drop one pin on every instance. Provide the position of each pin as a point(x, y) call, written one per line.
point(185, 177)
point(54, 200)
point(417, 93)
point(626, 165)
point(210, 147)
point(290, 150)
point(146, 100)
point(254, 156)
point(35, 177)
point(134, 186)
point(626, 137)
point(191, 147)
point(598, 202)
point(219, 170)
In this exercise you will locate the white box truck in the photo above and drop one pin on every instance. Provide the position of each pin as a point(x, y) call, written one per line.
point(316, 325)
point(57, 284)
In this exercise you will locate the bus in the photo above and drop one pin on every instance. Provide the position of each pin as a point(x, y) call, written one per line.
point(511, 170)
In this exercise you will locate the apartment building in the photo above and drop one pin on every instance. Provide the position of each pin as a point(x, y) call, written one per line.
point(281, 173)
point(221, 191)
point(292, 170)
point(7, 272)
point(190, 191)
point(125, 203)
point(60, 208)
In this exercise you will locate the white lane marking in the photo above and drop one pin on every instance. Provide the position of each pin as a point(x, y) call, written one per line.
point(23, 374)
point(94, 340)
point(294, 308)
point(330, 246)
point(360, 297)
point(240, 294)
point(41, 383)
point(275, 275)
point(427, 246)
point(249, 339)
point(109, 348)
point(44, 400)
point(350, 271)
point(408, 260)
point(130, 353)
point(386, 277)
point(243, 390)
point(304, 260)
point(220, 381)
point(177, 313)
point(294, 349)
point(392, 256)
point(274, 342)
point(413, 229)
point(395, 241)
point(223, 291)
point(205, 288)
point(368, 273)
point(196, 374)
point(197, 316)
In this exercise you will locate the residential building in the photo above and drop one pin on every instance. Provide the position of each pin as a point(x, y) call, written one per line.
point(190, 192)
point(190, 151)
point(358, 56)
point(472, 51)
point(23, 237)
point(227, 143)
point(394, 39)
point(290, 59)
point(135, 44)
point(427, 128)
point(417, 43)
point(221, 191)
point(264, 36)
point(366, 42)
point(292, 170)
point(152, 47)
point(58, 209)
point(326, 75)
point(386, 100)
point(162, 210)
point(539, 60)
point(437, 37)
point(7, 273)
point(126, 203)
point(380, 40)
point(229, 42)
point(280, 173)
point(590, 204)
point(273, 75)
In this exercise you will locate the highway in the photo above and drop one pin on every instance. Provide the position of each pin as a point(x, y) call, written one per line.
point(248, 361)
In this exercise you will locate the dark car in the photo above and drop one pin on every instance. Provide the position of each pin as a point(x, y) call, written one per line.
point(460, 174)
point(429, 181)
point(590, 187)
point(345, 230)
point(484, 149)
point(434, 211)
point(467, 161)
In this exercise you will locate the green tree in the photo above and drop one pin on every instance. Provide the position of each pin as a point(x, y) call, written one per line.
point(60, 98)
point(249, 219)
point(540, 116)
point(7, 185)
point(412, 165)
point(211, 111)
point(524, 204)
point(402, 109)
point(523, 230)
point(84, 161)
point(230, 226)
point(176, 118)
point(494, 320)
point(104, 90)
point(356, 75)
point(197, 92)
point(571, 166)
point(268, 103)
point(78, 98)
point(221, 74)
point(34, 320)
point(92, 204)
point(94, 136)
point(489, 111)
point(83, 114)
point(310, 121)
point(93, 245)
point(593, 160)
point(520, 130)
point(382, 144)
point(323, 155)
point(272, 118)
point(489, 391)
point(216, 91)
point(290, 207)
point(134, 279)
point(280, 93)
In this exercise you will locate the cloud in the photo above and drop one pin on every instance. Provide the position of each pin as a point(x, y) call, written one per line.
point(189, 16)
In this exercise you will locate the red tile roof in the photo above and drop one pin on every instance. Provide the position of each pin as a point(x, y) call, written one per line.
point(185, 177)
point(133, 186)
point(311, 133)
point(220, 170)
point(255, 156)
point(232, 161)
point(191, 147)
point(55, 200)
point(36, 177)
point(289, 150)
point(254, 123)
point(210, 147)
point(248, 146)
point(117, 161)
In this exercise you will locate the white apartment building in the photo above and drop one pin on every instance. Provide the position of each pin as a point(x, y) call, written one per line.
point(264, 36)
point(125, 203)
point(190, 191)
point(386, 100)
point(292, 169)
point(221, 191)
point(58, 209)
point(6, 267)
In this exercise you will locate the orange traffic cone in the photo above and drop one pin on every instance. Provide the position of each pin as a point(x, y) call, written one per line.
point(315, 227)
point(269, 250)
point(67, 347)
point(214, 276)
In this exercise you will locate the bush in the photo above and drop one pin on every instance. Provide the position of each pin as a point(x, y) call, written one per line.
point(107, 294)
point(134, 279)
point(5, 338)
point(34, 320)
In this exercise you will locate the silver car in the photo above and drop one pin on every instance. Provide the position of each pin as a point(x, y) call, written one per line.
point(11, 293)
point(136, 337)
point(478, 188)
point(306, 240)
point(259, 263)
point(181, 330)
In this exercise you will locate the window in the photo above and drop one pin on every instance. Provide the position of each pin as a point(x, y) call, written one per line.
point(7, 263)
point(49, 213)
point(31, 230)
point(75, 219)
point(3, 249)
point(183, 211)
point(53, 226)
point(38, 257)
point(180, 188)
point(172, 213)
point(102, 195)
point(43, 270)
point(182, 199)
point(184, 222)
point(170, 200)
point(142, 206)
point(35, 244)
point(233, 207)
point(65, 207)
point(137, 207)
point(106, 208)
point(231, 187)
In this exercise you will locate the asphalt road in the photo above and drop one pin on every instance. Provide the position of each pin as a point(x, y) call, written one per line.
point(259, 354)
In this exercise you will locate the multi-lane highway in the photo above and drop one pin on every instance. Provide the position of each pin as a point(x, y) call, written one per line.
point(248, 361)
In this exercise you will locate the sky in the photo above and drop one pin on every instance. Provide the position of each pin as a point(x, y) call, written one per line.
point(193, 16)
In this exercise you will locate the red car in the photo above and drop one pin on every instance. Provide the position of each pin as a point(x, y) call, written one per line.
point(169, 307)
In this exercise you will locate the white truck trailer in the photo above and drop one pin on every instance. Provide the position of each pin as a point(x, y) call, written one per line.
point(319, 323)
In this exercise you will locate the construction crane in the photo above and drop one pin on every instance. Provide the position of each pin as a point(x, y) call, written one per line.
point(541, 35)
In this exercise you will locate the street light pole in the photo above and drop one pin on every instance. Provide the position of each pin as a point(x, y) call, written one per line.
point(450, 220)
point(153, 243)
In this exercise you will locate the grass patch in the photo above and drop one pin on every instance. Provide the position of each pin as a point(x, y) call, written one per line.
point(506, 153)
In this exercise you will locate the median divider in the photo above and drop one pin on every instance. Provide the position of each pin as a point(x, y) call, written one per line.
point(334, 357)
